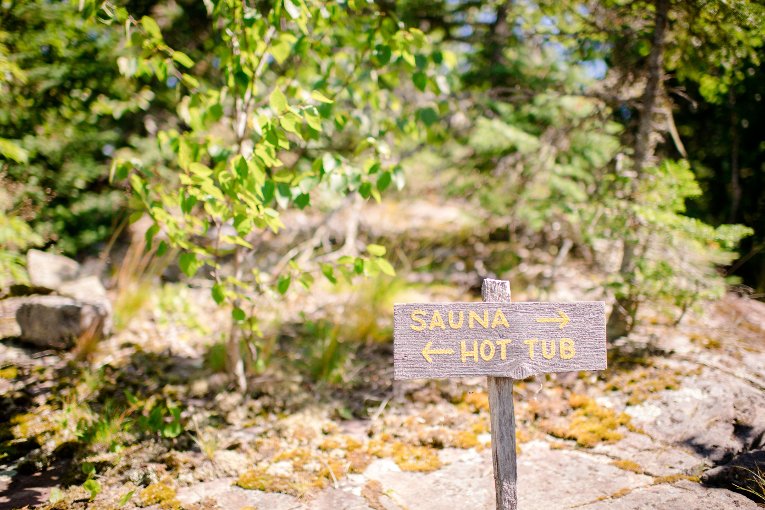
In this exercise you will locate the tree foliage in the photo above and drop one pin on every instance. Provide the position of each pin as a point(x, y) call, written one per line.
point(64, 110)
point(290, 102)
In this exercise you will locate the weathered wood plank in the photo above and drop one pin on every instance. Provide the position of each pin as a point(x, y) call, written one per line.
point(502, 413)
point(513, 340)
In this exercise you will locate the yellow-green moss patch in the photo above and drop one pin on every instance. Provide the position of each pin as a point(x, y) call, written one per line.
point(10, 372)
point(589, 424)
point(160, 494)
point(675, 478)
point(628, 465)
point(259, 479)
point(415, 458)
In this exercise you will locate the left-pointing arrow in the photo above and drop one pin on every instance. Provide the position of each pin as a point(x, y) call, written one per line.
point(427, 351)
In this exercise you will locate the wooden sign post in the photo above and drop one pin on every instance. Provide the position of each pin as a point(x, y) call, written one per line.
point(504, 341)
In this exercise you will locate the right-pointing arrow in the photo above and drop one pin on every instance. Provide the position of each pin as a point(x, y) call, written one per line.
point(563, 319)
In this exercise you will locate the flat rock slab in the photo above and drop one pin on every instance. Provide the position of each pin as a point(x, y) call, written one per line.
point(550, 478)
point(547, 479)
point(714, 415)
point(683, 495)
point(467, 482)
point(654, 458)
point(225, 494)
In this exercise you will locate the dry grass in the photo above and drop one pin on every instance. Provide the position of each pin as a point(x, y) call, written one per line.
point(756, 487)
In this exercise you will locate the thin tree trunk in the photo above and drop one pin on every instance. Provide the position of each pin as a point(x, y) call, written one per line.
point(644, 143)
point(236, 368)
point(499, 34)
point(621, 320)
point(735, 182)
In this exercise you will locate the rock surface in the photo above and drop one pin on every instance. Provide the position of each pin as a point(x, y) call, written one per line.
point(50, 321)
point(77, 306)
point(50, 271)
point(682, 495)
point(548, 479)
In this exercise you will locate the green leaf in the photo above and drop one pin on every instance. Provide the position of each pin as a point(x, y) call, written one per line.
point(302, 200)
point(306, 280)
point(188, 264)
point(148, 236)
point(190, 81)
point(174, 428)
point(312, 118)
point(200, 170)
point(384, 181)
point(291, 123)
point(283, 194)
point(321, 97)
point(329, 273)
point(242, 79)
point(10, 150)
point(278, 101)
point(156, 418)
point(280, 51)
point(125, 498)
point(187, 203)
point(93, 487)
point(214, 113)
point(162, 248)
point(55, 496)
point(420, 80)
point(183, 59)
point(428, 116)
point(151, 27)
point(365, 190)
point(88, 469)
point(238, 314)
point(376, 250)
point(120, 170)
point(218, 294)
point(385, 266)
point(283, 284)
point(382, 54)
point(268, 189)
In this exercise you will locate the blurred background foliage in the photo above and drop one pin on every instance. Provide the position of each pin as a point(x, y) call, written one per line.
point(626, 134)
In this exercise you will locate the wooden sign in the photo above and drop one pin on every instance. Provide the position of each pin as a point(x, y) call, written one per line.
point(513, 340)
point(504, 341)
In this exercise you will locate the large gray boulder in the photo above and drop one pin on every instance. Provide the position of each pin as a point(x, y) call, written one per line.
point(50, 271)
point(71, 307)
point(51, 321)
point(90, 290)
